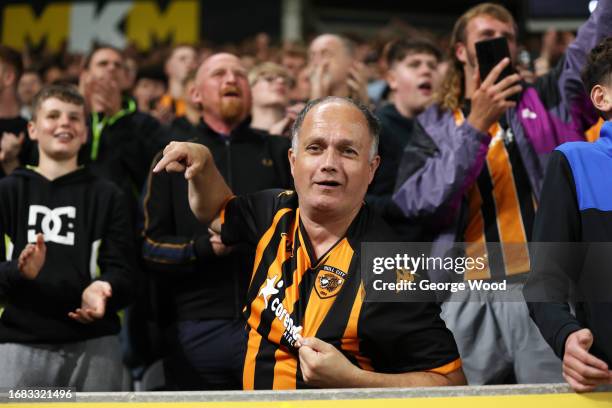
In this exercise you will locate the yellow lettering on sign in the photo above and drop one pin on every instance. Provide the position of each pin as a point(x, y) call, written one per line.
point(20, 23)
point(180, 21)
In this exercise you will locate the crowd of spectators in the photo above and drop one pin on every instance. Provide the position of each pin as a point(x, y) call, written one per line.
point(440, 179)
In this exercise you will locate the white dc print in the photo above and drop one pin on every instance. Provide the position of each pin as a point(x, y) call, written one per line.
point(51, 224)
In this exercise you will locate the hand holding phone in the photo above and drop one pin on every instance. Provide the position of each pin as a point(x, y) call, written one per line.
point(490, 100)
point(493, 96)
point(490, 53)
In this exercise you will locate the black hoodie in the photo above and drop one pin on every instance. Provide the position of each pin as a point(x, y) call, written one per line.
point(177, 246)
point(85, 223)
point(397, 135)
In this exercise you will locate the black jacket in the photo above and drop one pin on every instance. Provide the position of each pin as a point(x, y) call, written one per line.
point(87, 235)
point(121, 150)
point(177, 249)
point(397, 133)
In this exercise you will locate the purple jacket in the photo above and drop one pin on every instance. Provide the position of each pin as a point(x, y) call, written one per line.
point(554, 110)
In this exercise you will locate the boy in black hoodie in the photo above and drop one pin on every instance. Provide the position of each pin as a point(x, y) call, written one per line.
point(66, 260)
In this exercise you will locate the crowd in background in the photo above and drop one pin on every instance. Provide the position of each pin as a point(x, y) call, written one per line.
point(138, 101)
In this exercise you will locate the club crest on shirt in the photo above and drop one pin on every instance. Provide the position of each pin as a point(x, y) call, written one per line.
point(329, 281)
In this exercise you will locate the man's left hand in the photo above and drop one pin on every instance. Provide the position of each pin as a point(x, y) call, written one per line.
point(93, 302)
point(323, 365)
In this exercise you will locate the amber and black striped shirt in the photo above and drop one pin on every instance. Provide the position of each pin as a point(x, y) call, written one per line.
point(293, 294)
point(501, 209)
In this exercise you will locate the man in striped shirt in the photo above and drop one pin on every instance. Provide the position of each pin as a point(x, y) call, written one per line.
point(307, 322)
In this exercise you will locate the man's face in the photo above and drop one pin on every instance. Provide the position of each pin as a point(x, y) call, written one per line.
point(293, 63)
point(7, 76)
point(182, 60)
point(328, 49)
point(222, 88)
point(481, 28)
point(412, 80)
point(107, 64)
point(147, 90)
point(29, 85)
point(59, 129)
point(331, 167)
point(271, 89)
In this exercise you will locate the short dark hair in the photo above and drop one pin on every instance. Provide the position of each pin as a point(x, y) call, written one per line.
point(372, 121)
point(598, 68)
point(12, 58)
point(97, 48)
point(152, 72)
point(65, 93)
point(398, 50)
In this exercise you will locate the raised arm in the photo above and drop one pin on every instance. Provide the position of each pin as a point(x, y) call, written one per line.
point(207, 190)
point(591, 33)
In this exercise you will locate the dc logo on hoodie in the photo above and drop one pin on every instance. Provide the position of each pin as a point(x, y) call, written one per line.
point(51, 224)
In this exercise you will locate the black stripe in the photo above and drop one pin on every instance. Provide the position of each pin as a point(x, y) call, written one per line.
point(269, 255)
point(334, 324)
point(523, 188)
point(265, 361)
point(264, 366)
point(489, 216)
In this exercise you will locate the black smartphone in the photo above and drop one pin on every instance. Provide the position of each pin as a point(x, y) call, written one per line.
point(489, 54)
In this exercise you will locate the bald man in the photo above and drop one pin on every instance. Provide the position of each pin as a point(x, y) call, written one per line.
point(308, 324)
point(206, 280)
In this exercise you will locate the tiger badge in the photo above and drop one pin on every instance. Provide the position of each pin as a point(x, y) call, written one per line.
point(328, 283)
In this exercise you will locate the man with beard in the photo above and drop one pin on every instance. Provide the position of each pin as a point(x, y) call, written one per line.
point(206, 286)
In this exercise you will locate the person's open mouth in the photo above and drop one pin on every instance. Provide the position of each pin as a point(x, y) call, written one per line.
point(328, 183)
point(425, 87)
point(231, 93)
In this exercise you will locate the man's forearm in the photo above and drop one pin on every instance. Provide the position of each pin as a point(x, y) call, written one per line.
point(208, 192)
point(362, 379)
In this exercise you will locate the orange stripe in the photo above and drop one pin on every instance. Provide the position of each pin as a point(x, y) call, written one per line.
point(248, 372)
point(508, 210)
point(592, 134)
point(223, 207)
point(350, 339)
point(285, 367)
point(277, 328)
point(339, 257)
point(474, 235)
point(285, 370)
point(266, 238)
point(166, 245)
point(459, 118)
point(447, 368)
point(257, 305)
